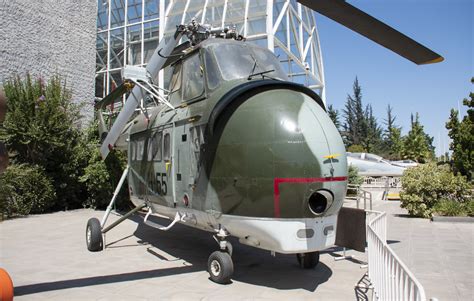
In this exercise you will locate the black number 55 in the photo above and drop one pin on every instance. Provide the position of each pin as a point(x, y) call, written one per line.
point(161, 183)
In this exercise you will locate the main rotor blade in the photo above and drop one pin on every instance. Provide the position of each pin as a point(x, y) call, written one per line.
point(379, 32)
point(177, 53)
point(158, 59)
point(112, 96)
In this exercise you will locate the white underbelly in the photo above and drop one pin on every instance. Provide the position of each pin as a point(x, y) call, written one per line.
point(282, 235)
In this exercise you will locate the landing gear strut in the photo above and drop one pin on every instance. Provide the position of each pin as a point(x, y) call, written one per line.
point(219, 264)
point(308, 260)
point(95, 230)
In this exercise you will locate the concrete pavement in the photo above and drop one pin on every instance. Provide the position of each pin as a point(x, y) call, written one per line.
point(47, 259)
point(440, 254)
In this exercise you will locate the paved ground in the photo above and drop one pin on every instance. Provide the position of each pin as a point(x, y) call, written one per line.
point(48, 260)
point(440, 254)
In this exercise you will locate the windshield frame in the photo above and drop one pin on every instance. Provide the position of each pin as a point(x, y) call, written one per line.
point(252, 60)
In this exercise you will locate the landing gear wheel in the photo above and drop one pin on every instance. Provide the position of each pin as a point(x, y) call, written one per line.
point(308, 260)
point(94, 235)
point(220, 267)
point(6, 286)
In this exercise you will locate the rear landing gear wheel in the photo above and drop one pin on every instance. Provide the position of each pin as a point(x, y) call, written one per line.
point(94, 239)
point(220, 267)
point(308, 260)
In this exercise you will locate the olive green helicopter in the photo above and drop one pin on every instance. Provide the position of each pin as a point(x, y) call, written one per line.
point(232, 147)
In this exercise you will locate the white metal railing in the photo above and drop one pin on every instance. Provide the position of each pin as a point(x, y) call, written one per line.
point(382, 182)
point(361, 194)
point(390, 277)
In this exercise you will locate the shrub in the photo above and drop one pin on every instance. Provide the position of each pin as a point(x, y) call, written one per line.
point(452, 208)
point(470, 208)
point(25, 189)
point(356, 148)
point(353, 179)
point(353, 176)
point(101, 177)
point(40, 129)
point(425, 185)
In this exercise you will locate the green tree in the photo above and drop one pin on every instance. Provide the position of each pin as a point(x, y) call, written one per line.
point(40, 129)
point(372, 141)
point(355, 120)
point(392, 136)
point(334, 115)
point(462, 136)
point(415, 144)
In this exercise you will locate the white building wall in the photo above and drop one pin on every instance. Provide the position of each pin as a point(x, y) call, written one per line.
point(46, 37)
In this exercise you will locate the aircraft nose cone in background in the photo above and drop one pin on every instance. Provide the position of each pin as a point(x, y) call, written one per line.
point(273, 154)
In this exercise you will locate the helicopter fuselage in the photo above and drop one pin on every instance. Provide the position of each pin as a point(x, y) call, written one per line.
point(254, 154)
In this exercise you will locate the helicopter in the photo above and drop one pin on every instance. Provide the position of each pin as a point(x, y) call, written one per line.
point(232, 147)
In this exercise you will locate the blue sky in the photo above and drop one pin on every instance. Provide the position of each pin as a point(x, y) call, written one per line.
point(445, 26)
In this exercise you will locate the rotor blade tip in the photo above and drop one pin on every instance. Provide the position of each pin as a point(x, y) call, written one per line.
point(439, 59)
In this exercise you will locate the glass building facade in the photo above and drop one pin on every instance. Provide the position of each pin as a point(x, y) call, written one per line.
point(128, 32)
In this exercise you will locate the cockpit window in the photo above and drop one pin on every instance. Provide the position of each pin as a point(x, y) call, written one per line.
point(239, 61)
point(175, 83)
point(212, 71)
point(193, 81)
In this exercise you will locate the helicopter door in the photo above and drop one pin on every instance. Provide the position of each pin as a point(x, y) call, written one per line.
point(182, 156)
point(192, 87)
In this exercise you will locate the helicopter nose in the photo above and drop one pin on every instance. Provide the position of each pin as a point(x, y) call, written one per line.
point(279, 155)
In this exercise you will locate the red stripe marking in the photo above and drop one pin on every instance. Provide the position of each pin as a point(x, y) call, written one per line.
point(277, 181)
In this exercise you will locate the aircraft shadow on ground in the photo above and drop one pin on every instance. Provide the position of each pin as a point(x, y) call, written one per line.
point(98, 280)
point(251, 265)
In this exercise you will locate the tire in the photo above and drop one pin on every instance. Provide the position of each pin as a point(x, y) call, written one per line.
point(94, 235)
point(308, 260)
point(220, 267)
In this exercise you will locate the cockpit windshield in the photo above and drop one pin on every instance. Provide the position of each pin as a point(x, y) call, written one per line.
point(237, 61)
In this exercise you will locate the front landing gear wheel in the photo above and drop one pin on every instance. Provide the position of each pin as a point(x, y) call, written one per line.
point(94, 235)
point(308, 260)
point(220, 267)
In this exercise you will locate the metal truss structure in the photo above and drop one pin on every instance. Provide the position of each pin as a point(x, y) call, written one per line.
point(129, 30)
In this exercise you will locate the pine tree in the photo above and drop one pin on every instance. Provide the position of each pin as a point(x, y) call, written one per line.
point(349, 125)
point(392, 138)
point(372, 139)
point(462, 136)
point(334, 115)
point(354, 114)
